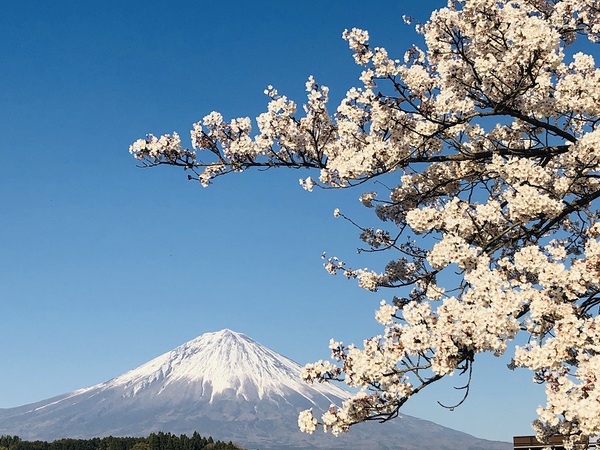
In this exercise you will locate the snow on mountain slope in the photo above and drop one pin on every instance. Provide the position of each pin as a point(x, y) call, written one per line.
point(222, 361)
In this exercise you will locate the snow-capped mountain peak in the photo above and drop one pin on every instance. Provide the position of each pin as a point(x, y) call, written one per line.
point(222, 384)
point(222, 362)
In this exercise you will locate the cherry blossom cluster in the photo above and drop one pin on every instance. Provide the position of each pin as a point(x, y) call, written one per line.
point(488, 135)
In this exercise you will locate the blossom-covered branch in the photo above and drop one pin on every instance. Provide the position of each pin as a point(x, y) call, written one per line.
point(491, 132)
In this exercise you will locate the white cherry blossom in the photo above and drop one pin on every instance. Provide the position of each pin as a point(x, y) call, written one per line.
point(488, 137)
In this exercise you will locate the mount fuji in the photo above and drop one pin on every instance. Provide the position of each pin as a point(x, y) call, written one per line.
point(225, 385)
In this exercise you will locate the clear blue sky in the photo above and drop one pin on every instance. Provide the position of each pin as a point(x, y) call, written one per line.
point(105, 266)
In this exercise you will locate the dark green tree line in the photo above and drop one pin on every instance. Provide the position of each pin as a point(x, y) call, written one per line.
point(155, 441)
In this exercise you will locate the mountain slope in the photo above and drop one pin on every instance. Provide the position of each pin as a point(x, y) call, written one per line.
point(222, 384)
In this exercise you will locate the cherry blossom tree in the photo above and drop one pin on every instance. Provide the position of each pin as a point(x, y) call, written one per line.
point(490, 131)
